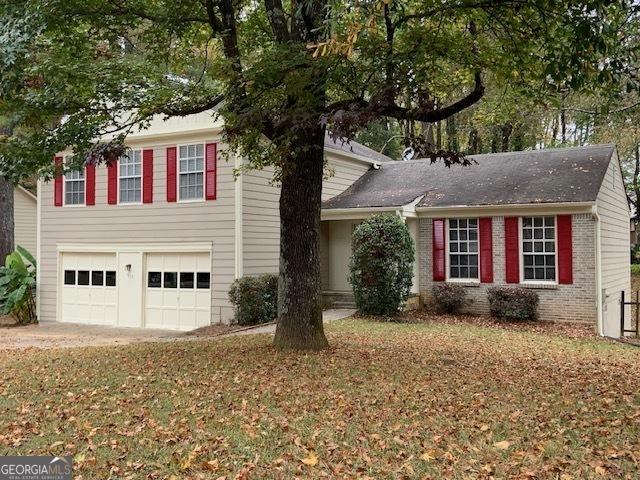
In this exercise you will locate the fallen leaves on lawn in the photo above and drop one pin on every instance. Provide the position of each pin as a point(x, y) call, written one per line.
point(432, 400)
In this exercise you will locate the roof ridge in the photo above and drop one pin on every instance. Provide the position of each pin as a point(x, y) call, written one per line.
point(513, 153)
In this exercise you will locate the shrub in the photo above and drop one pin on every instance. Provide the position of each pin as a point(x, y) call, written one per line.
point(513, 303)
point(449, 298)
point(17, 287)
point(381, 265)
point(255, 299)
point(635, 269)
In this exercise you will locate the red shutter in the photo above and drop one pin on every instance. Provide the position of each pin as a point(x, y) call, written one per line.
point(112, 182)
point(438, 249)
point(565, 249)
point(147, 176)
point(90, 184)
point(210, 178)
point(171, 174)
point(486, 250)
point(57, 183)
point(512, 250)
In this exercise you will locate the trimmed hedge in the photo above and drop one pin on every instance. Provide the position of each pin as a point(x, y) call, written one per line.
point(255, 299)
point(381, 266)
point(513, 303)
point(449, 297)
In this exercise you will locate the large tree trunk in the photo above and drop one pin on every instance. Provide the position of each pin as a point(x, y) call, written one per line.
point(6, 219)
point(299, 290)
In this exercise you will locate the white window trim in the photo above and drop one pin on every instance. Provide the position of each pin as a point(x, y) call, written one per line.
point(521, 252)
point(204, 173)
point(141, 150)
point(64, 187)
point(447, 261)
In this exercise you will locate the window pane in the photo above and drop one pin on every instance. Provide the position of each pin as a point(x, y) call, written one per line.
point(541, 253)
point(97, 278)
point(186, 279)
point(110, 278)
point(83, 277)
point(69, 277)
point(170, 280)
point(463, 235)
point(154, 280)
point(204, 280)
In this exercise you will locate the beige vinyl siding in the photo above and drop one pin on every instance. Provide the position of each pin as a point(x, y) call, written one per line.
point(202, 221)
point(25, 220)
point(261, 218)
point(614, 240)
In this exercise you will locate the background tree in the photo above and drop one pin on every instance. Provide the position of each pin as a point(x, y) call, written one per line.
point(7, 226)
point(289, 71)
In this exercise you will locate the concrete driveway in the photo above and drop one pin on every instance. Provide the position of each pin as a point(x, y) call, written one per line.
point(64, 335)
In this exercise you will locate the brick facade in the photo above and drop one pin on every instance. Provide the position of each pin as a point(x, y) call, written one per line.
point(575, 302)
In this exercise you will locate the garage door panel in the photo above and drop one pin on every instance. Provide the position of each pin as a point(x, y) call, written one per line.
point(154, 317)
point(91, 304)
point(203, 300)
point(184, 307)
point(203, 318)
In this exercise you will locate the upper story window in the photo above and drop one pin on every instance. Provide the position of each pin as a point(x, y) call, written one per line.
point(191, 172)
point(463, 248)
point(130, 177)
point(74, 186)
point(539, 248)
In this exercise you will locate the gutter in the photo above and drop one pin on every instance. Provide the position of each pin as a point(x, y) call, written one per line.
point(404, 211)
point(586, 206)
point(352, 156)
point(598, 246)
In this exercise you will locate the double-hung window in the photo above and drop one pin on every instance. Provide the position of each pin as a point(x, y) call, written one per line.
point(74, 187)
point(463, 248)
point(130, 179)
point(191, 172)
point(539, 249)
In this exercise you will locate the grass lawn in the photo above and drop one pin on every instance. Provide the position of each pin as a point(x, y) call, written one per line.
point(387, 401)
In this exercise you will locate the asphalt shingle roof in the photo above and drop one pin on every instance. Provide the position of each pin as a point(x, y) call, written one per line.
point(356, 148)
point(536, 176)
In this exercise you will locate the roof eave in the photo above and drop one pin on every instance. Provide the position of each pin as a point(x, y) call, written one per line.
point(511, 209)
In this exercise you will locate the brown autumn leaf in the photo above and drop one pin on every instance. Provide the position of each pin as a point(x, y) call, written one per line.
point(310, 460)
point(503, 445)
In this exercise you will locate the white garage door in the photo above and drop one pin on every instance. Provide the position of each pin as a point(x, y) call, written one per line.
point(178, 290)
point(89, 288)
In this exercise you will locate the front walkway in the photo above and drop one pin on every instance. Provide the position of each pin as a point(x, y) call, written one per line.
point(65, 335)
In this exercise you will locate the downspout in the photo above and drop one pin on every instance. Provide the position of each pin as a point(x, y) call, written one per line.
point(598, 246)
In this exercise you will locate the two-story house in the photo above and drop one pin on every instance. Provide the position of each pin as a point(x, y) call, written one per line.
point(156, 239)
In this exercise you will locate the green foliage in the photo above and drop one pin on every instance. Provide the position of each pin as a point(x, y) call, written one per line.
point(17, 286)
point(513, 303)
point(449, 297)
point(635, 269)
point(285, 68)
point(381, 266)
point(384, 137)
point(255, 299)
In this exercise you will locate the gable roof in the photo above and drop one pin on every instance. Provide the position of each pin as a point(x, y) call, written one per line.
point(529, 177)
